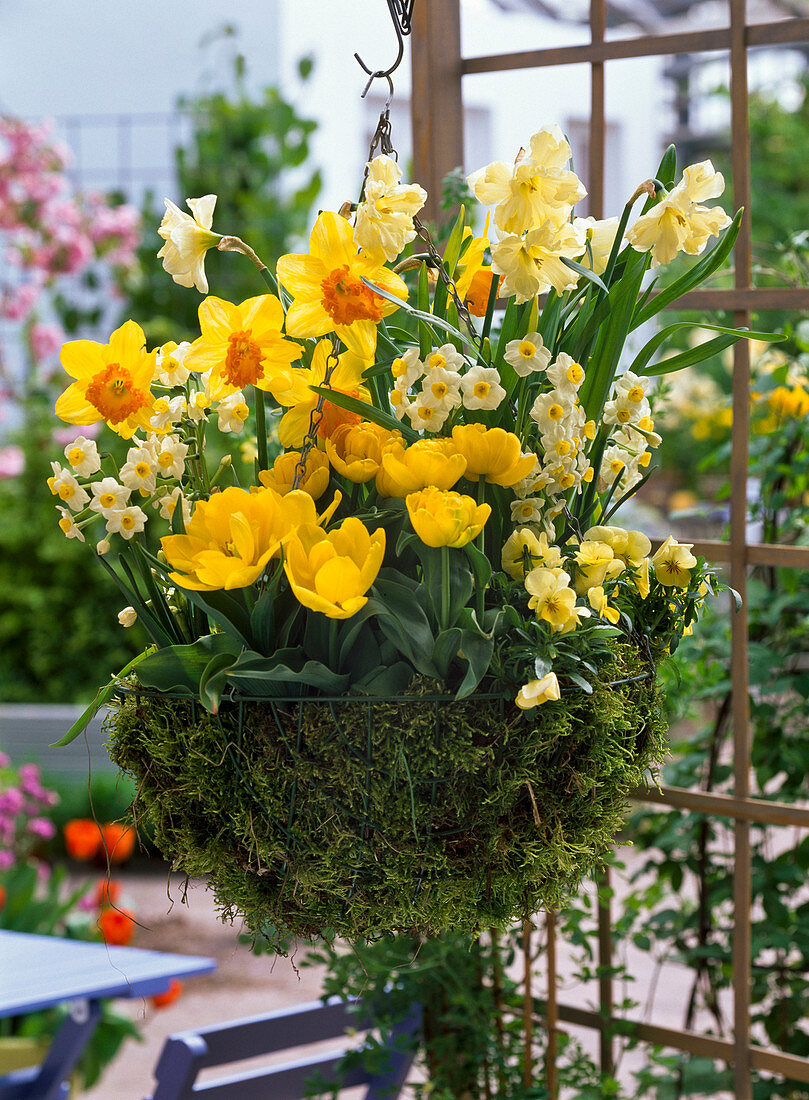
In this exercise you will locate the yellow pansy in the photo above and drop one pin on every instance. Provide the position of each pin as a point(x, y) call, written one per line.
point(441, 517)
point(630, 546)
point(240, 345)
point(230, 538)
point(111, 381)
point(327, 288)
point(281, 477)
point(355, 450)
point(673, 562)
point(523, 551)
point(332, 572)
point(536, 692)
point(597, 598)
point(641, 578)
point(552, 598)
point(187, 240)
point(433, 462)
point(293, 389)
point(492, 454)
point(594, 559)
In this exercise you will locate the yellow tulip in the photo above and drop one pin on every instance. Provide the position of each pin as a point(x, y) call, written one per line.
point(492, 453)
point(443, 518)
point(332, 572)
point(433, 462)
point(230, 538)
point(281, 477)
point(355, 450)
point(536, 692)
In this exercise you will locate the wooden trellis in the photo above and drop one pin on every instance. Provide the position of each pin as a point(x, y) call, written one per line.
point(438, 71)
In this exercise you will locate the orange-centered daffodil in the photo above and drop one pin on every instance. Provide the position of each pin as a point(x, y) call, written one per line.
point(111, 381)
point(240, 345)
point(327, 288)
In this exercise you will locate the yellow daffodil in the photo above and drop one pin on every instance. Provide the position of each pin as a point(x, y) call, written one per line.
point(111, 381)
point(523, 551)
point(441, 517)
point(679, 223)
point(552, 598)
point(384, 223)
point(230, 538)
point(240, 345)
point(332, 572)
point(355, 450)
point(536, 692)
point(473, 279)
point(492, 454)
point(538, 187)
point(433, 462)
point(327, 288)
point(187, 240)
point(292, 388)
point(281, 477)
point(672, 563)
point(533, 264)
point(597, 598)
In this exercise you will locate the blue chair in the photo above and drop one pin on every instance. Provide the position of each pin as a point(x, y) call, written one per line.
point(188, 1052)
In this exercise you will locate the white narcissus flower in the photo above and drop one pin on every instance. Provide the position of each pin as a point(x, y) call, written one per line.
point(82, 454)
point(68, 525)
point(536, 692)
point(532, 264)
point(424, 417)
point(108, 496)
point(550, 412)
point(441, 389)
point(167, 412)
point(384, 222)
point(169, 452)
point(232, 411)
point(407, 369)
point(64, 485)
point(601, 237)
point(168, 503)
point(127, 616)
point(187, 240)
point(400, 402)
point(538, 187)
point(527, 510)
point(679, 223)
point(126, 521)
point(103, 547)
point(481, 388)
point(169, 369)
point(446, 356)
point(566, 374)
point(140, 469)
point(528, 355)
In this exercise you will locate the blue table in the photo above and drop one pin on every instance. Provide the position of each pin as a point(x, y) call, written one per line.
point(41, 971)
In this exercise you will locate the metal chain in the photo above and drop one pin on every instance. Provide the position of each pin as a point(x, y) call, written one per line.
point(315, 417)
point(437, 262)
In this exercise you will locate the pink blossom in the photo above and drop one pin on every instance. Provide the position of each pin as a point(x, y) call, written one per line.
point(6, 859)
point(46, 340)
point(41, 827)
point(5, 760)
point(12, 464)
point(63, 436)
point(19, 302)
point(11, 801)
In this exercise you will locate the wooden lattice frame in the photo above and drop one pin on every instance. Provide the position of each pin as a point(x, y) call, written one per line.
point(438, 69)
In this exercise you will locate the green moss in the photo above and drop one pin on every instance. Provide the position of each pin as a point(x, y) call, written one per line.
point(377, 816)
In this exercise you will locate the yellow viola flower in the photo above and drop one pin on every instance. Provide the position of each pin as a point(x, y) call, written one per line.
point(524, 551)
point(672, 563)
point(240, 345)
point(187, 240)
point(433, 462)
point(538, 187)
point(384, 222)
point(533, 264)
point(597, 598)
point(441, 517)
point(630, 546)
point(536, 692)
point(594, 559)
point(355, 450)
point(492, 454)
point(230, 538)
point(327, 288)
point(641, 578)
point(552, 598)
point(281, 477)
point(292, 388)
point(332, 572)
point(111, 381)
point(679, 223)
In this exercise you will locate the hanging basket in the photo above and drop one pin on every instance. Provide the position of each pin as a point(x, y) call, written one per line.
point(413, 814)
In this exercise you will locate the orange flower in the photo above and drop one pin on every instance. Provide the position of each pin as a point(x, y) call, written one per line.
point(107, 892)
point(163, 1000)
point(327, 288)
point(117, 926)
point(119, 841)
point(2, 898)
point(477, 296)
point(82, 838)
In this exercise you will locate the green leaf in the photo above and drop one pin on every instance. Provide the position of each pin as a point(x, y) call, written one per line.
point(226, 611)
point(404, 623)
point(366, 411)
point(263, 675)
point(102, 697)
point(386, 680)
point(477, 651)
point(446, 648)
point(667, 169)
point(689, 358)
point(427, 318)
point(182, 667)
point(645, 354)
point(585, 272)
point(213, 679)
point(481, 566)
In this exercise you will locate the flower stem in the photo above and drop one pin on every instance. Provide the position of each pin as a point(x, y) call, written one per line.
point(444, 588)
point(480, 592)
point(261, 431)
point(334, 656)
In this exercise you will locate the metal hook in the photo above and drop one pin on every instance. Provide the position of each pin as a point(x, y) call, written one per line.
point(402, 28)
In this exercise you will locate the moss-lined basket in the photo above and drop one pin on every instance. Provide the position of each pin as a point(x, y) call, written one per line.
point(415, 814)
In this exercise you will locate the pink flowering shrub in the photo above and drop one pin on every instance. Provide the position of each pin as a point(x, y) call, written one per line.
point(24, 820)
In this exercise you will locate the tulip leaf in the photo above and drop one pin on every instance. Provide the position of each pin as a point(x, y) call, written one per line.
point(257, 675)
point(446, 649)
point(386, 679)
point(181, 667)
point(477, 650)
point(481, 566)
point(404, 623)
point(226, 610)
point(366, 411)
point(101, 698)
point(213, 680)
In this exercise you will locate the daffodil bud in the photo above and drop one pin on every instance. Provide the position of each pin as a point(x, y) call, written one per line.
point(128, 617)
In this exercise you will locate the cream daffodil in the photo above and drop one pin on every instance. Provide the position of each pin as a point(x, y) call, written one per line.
point(241, 345)
point(600, 235)
point(188, 237)
point(532, 264)
point(384, 222)
point(327, 288)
